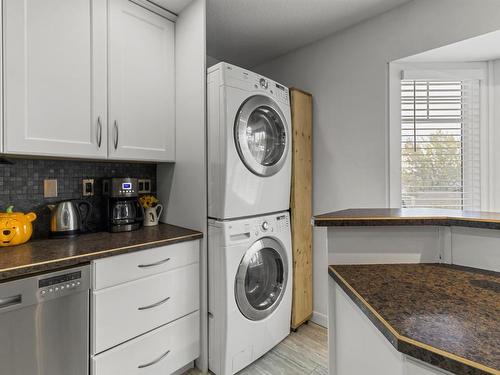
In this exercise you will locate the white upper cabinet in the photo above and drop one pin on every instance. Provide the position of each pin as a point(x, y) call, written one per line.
point(141, 84)
point(55, 78)
point(63, 98)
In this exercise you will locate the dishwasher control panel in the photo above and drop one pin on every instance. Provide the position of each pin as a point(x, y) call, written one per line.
point(59, 284)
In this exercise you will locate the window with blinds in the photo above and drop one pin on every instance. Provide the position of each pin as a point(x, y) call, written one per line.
point(440, 144)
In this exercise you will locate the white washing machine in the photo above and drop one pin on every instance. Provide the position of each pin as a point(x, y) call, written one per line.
point(250, 289)
point(249, 144)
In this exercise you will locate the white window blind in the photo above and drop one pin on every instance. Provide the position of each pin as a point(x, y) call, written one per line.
point(440, 144)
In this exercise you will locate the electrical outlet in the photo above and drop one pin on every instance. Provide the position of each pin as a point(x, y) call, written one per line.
point(88, 187)
point(49, 188)
point(144, 186)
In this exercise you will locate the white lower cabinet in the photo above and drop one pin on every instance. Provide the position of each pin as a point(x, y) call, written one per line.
point(128, 267)
point(146, 319)
point(126, 311)
point(162, 351)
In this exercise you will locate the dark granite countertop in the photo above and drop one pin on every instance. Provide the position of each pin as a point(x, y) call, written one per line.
point(45, 255)
point(445, 315)
point(408, 216)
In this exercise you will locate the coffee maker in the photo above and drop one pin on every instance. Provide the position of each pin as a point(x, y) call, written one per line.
point(123, 212)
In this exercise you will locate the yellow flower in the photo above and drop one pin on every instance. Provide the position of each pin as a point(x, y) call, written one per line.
point(148, 201)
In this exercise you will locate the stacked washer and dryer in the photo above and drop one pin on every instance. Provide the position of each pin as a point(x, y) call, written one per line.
point(249, 240)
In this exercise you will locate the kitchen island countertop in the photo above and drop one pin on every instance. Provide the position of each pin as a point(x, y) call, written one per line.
point(51, 254)
point(408, 216)
point(445, 315)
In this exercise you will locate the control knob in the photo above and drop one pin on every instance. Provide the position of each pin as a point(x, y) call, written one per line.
point(265, 226)
point(263, 83)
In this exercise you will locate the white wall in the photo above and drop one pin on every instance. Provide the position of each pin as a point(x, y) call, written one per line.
point(183, 184)
point(347, 75)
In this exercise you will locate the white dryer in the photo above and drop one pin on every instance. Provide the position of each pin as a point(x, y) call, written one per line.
point(250, 289)
point(249, 144)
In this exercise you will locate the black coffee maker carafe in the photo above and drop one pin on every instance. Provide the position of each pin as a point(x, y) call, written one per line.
point(123, 212)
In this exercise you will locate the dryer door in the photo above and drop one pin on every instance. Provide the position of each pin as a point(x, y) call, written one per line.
point(261, 279)
point(261, 135)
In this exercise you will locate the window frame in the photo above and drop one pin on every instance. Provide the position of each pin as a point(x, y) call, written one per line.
point(453, 71)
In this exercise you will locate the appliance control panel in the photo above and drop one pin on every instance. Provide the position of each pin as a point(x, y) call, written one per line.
point(258, 83)
point(275, 89)
point(57, 285)
point(250, 229)
point(282, 222)
point(282, 92)
point(120, 187)
point(272, 224)
point(62, 283)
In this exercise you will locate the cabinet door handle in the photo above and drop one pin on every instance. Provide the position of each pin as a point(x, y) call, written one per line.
point(155, 361)
point(116, 135)
point(154, 264)
point(99, 132)
point(159, 303)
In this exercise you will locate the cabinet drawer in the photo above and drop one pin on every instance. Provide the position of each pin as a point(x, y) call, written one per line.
point(146, 354)
point(123, 268)
point(128, 310)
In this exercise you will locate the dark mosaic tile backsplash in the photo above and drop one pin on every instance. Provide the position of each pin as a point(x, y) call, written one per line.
point(21, 185)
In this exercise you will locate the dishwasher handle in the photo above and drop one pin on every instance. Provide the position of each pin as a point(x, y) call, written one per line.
point(10, 301)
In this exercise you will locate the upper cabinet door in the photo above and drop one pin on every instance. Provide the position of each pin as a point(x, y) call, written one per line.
point(55, 78)
point(141, 84)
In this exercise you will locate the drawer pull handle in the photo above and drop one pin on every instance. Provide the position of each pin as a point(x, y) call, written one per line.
point(154, 304)
point(153, 264)
point(155, 361)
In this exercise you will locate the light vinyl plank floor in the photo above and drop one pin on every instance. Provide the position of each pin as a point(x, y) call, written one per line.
point(302, 352)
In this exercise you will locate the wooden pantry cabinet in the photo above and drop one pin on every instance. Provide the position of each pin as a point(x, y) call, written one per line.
point(64, 98)
point(301, 207)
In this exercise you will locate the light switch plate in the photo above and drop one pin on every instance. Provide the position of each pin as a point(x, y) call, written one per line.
point(144, 186)
point(88, 187)
point(49, 188)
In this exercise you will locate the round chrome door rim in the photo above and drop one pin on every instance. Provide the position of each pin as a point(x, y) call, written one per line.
point(240, 126)
point(239, 285)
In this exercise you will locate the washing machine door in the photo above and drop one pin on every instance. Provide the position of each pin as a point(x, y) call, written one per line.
point(261, 279)
point(261, 135)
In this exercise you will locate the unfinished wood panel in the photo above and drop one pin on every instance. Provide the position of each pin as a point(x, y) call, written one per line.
point(301, 207)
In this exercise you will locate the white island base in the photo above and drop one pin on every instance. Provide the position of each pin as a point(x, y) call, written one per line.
point(358, 347)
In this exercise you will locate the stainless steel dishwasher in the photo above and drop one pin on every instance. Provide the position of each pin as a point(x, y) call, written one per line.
point(44, 324)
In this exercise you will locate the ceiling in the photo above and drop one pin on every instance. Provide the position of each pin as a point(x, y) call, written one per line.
point(481, 48)
point(249, 32)
point(174, 6)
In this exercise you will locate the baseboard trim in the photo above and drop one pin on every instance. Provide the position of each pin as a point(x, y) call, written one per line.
point(320, 319)
point(184, 369)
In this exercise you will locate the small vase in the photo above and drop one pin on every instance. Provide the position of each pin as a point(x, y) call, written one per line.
point(152, 215)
